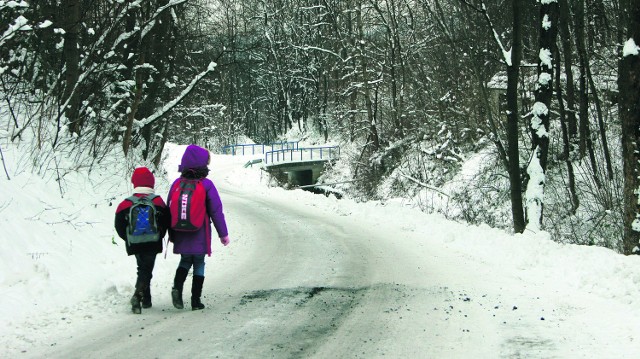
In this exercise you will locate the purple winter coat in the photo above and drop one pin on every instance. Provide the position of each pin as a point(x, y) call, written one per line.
point(199, 242)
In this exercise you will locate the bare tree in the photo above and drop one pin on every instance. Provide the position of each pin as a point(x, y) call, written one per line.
point(513, 72)
point(512, 59)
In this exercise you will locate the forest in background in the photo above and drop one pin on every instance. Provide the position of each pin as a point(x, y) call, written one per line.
point(410, 88)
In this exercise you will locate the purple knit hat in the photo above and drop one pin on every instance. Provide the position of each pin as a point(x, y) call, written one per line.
point(194, 157)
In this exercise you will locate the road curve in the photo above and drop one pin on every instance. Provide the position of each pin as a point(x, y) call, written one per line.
point(298, 284)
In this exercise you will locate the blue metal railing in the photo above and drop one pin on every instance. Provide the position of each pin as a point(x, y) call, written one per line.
point(252, 149)
point(301, 155)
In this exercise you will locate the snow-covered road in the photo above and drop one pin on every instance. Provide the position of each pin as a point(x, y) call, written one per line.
point(309, 276)
point(303, 284)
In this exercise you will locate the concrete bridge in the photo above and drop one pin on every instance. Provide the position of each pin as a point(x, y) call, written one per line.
point(287, 161)
point(301, 166)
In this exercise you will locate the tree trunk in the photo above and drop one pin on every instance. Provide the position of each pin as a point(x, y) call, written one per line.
point(158, 45)
point(566, 141)
point(133, 109)
point(70, 97)
point(584, 91)
point(513, 72)
point(563, 22)
point(629, 107)
point(396, 61)
point(373, 131)
point(601, 126)
point(586, 144)
point(163, 141)
point(537, 167)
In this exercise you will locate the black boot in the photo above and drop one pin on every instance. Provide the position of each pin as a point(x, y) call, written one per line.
point(135, 304)
point(146, 298)
point(196, 292)
point(178, 283)
point(136, 299)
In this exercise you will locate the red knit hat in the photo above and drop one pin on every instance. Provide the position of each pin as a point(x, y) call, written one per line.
point(142, 177)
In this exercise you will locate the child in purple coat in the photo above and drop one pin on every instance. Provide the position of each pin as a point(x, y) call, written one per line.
point(193, 246)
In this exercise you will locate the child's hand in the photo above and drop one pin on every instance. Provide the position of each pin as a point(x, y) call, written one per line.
point(224, 240)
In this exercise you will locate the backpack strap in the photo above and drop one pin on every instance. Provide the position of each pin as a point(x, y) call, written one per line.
point(136, 199)
point(133, 199)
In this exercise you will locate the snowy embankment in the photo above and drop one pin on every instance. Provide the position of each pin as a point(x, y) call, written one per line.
point(391, 280)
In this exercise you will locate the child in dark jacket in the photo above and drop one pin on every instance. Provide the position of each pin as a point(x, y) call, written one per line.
point(193, 246)
point(145, 253)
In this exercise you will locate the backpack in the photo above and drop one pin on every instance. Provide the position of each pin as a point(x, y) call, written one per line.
point(187, 205)
point(142, 226)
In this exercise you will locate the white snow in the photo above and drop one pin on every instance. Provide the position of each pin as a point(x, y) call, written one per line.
point(367, 279)
point(535, 190)
point(544, 79)
point(545, 58)
point(630, 48)
point(45, 24)
point(13, 4)
point(538, 110)
point(546, 22)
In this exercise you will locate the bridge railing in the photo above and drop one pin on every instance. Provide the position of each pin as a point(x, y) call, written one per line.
point(252, 149)
point(301, 155)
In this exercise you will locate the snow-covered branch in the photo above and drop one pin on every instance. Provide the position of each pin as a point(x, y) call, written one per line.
point(307, 47)
point(422, 184)
point(151, 23)
point(506, 54)
point(20, 24)
point(145, 121)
